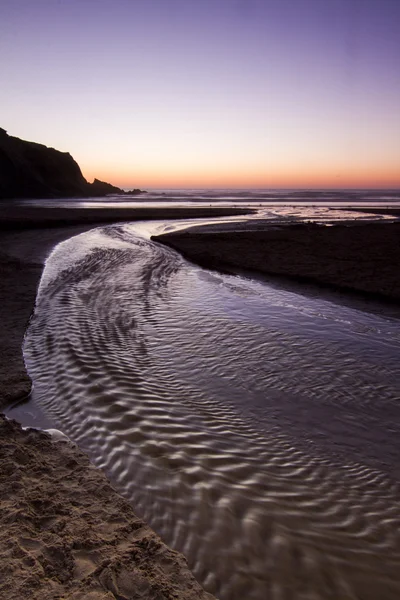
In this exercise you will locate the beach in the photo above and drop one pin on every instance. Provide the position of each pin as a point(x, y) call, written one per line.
point(65, 531)
point(354, 256)
point(28, 235)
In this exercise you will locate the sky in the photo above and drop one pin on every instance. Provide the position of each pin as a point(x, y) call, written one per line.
point(208, 93)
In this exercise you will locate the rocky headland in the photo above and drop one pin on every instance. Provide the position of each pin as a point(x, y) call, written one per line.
point(31, 170)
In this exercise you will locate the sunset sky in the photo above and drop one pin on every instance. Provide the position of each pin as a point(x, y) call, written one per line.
point(208, 93)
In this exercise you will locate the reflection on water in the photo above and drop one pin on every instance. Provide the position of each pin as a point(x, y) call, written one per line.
point(255, 429)
point(301, 204)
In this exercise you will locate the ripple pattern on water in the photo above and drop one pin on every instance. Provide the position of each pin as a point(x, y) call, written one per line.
point(255, 429)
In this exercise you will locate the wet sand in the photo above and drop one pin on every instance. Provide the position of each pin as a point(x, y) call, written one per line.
point(28, 217)
point(22, 256)
point(65, 532)
point(357, 256)
point(27, 236)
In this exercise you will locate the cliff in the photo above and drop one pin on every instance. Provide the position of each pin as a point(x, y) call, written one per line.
point(31, 170)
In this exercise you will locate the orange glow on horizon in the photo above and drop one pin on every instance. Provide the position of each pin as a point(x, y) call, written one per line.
point(363, 178)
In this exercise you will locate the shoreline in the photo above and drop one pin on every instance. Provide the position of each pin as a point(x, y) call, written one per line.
point(354, 256)
point(28, 234)
point(14, 216)
point(64, 529)
point(66, 533)
point(22, 256)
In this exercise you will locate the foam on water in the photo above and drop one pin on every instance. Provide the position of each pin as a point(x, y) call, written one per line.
point(255, 429)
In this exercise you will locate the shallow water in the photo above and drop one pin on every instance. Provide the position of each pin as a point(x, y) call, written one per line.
point(229, 197)
point(255, 428)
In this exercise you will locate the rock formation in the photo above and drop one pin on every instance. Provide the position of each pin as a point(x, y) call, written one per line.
point(30, 170)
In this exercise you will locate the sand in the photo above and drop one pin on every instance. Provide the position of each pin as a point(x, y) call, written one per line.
point(28, 216)
point(27, 236)
point(357, 256)
point(65, 533)
point(22, 256)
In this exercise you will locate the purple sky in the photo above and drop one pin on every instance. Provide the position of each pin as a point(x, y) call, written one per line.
point(214, 93)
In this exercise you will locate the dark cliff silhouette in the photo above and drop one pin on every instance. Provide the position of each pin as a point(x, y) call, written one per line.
point(31, 170)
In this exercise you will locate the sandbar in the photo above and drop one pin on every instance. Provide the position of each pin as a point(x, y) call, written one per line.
point(355, 255)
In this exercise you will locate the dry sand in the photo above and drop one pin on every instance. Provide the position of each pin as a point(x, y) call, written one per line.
point(65, 533)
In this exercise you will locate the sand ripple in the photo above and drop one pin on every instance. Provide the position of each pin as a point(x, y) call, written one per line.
point(255, 429)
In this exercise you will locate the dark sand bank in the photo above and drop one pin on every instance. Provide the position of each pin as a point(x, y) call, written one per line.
point(17, 216)
point(22, 256)
point(390, 211)
point(364, 257)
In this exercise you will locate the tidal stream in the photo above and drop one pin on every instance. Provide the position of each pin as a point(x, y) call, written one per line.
point(254, 427)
